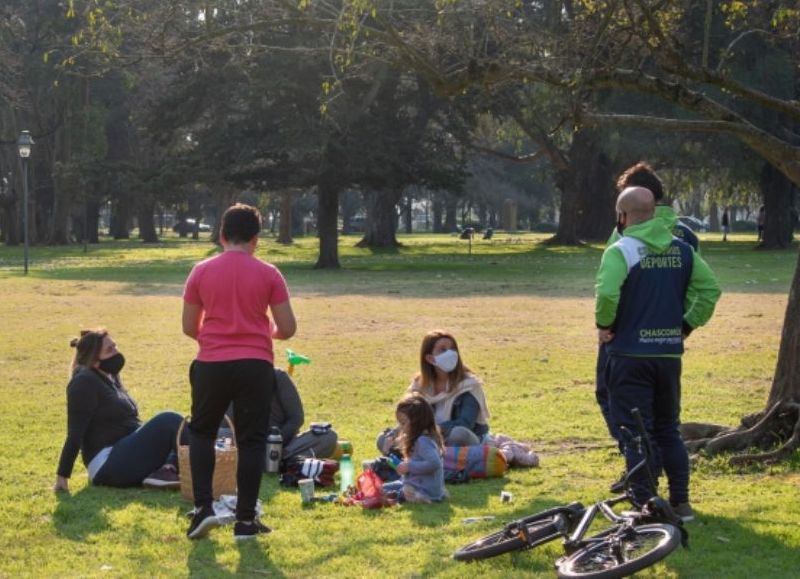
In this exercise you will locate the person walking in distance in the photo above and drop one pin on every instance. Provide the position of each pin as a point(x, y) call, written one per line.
point(225, 304)
point(726, 224)
point(652, 290)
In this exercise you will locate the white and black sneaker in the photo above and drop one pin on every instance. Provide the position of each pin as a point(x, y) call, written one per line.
point(243, 530)
point(203, 521)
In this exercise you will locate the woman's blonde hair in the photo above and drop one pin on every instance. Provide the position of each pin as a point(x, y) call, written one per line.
point(427, 371)
point(420, 421)
point(87, 348)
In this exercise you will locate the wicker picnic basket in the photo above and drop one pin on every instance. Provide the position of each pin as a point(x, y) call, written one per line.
point(224, 482)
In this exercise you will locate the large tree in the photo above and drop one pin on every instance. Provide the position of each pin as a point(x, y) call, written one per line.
point(644, 47)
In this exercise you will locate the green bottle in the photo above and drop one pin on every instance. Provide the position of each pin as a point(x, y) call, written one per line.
point(345, 472)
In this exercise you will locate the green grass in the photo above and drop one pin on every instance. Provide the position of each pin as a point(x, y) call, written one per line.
point(522, 312)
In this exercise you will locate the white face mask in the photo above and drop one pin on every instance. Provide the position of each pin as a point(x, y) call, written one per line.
point(446, 361)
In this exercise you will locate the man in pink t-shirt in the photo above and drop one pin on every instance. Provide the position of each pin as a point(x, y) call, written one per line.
point(225, 303)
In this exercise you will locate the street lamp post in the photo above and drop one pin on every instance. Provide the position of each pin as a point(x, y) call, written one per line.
point(24, 143)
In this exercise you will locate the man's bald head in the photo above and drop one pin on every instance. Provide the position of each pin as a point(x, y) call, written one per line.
point(636, 205)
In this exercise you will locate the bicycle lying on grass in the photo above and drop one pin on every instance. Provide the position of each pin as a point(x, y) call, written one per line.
point(635, 540)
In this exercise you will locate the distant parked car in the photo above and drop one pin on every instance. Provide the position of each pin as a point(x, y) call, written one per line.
point(693, 223)
point(187, 226)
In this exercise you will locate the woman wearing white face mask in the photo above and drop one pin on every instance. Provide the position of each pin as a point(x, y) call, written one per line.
point(457, 396)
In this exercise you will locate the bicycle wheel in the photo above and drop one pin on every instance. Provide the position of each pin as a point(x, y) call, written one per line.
point(511, 538)
point(620, 555)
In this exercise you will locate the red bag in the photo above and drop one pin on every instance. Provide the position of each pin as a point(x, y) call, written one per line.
point(370, 492)
point(369, 484)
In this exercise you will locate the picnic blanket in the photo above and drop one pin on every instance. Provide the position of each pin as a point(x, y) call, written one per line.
point(479, 461)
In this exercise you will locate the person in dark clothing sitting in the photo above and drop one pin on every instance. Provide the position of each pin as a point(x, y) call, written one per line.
point(454, 392)
point(287, 415)
point(103, 424)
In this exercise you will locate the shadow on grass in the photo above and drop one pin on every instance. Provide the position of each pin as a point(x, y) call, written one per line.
point(84, 513)
point(730, 547)
point(427, 270)
point(87, 512)
point(254, 559)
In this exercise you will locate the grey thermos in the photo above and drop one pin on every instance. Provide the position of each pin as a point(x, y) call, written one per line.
point(274, 450)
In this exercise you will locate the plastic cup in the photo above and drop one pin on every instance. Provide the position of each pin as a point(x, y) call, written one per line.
point(306, 486)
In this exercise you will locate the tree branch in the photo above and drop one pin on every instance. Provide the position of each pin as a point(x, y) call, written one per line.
point(521, 159)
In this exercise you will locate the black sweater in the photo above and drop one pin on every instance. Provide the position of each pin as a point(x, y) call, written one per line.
point(99, 413)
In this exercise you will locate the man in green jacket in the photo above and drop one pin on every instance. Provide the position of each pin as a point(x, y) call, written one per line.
point(638, 175)
point(652, 290)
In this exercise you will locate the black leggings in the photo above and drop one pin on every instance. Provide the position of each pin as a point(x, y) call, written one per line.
point(141, 452)
point(249, 384)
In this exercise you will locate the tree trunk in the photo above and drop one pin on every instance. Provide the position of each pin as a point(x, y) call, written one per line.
point(567, 233)
point(381, 219)
point(327, 223)
point(780, 420)
point(59, 230)
point(587, 192)
point(776, 190)
point(147, 223)
point(285, 227)
point(225, 198)
point(436, 209)
point(713, 217)
point(786, 382)
point(120, 216)
point(594, 180)
point(450, 211)
point(8, 202)
point(93, 213)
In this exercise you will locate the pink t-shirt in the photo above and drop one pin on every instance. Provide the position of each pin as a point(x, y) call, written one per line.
point(234, 290)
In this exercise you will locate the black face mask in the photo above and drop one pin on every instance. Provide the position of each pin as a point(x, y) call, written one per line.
point(620, 224)
point(112, 365)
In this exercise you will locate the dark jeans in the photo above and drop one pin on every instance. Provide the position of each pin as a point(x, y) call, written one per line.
point(653, 385)
point(601, 388)
point(249, 384)
point(141, 452)
point(601, 393)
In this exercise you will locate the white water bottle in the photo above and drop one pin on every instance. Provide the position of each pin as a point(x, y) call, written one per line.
point(274, 450)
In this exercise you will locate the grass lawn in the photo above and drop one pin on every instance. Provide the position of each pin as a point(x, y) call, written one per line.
point(523, 315)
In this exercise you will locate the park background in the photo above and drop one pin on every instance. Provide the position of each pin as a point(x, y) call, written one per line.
point(372, 135)
point(522, 311)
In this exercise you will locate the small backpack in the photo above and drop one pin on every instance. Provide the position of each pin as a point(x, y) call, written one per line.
point(322, 471)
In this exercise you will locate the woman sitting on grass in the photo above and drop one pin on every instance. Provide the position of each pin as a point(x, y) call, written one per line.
point(456, 395)
point(103, 424)
point(421, 446)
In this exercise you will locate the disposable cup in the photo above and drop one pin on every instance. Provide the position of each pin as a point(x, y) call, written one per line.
point(306, 489)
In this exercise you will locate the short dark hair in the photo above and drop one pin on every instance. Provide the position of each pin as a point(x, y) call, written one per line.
point(641, 175)
point(240, 223)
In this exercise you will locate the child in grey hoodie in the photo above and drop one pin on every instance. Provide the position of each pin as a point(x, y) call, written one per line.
point(421, 445)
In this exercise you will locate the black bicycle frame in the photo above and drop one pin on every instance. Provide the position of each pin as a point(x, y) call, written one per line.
point(574, 540)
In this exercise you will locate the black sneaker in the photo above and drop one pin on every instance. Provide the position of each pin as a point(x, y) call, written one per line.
point(243, 530)
point(202, 522)
point(164, 478)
